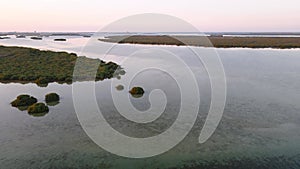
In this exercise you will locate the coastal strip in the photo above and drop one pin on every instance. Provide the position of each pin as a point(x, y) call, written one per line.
point(210, 41)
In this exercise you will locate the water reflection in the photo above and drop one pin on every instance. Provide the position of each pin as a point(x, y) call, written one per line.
point(38, 114)
point(53, 103)
point(137, 95)
point(260, 127)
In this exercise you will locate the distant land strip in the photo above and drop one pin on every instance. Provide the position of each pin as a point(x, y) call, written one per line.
point(210, 41)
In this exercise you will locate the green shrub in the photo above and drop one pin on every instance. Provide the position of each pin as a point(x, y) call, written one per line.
point(137, 91)
point(23, 100)
point(51, 97)
point(38, 108)
point(6, 77)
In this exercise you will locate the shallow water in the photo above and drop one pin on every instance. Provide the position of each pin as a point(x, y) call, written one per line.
point(259, 129)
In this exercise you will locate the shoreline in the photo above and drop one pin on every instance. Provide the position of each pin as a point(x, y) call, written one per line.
point(211, 41)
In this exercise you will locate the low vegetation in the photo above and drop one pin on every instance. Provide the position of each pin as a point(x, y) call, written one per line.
point(24, 65)
point(23, 100)
point(36, 38)
point(60, 39)
point(38, 108)
point(29, 103)
point(212, 41)
point(137, 92)
point(51, 97)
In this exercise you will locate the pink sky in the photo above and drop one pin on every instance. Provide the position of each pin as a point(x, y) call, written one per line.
point(92, 15)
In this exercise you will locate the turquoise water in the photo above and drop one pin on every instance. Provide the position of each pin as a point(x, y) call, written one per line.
point(259, 129)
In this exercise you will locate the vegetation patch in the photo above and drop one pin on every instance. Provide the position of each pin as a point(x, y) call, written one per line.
point(211, 41)
point(38, 108)
point(23, 101)
point(60, 39)
point(137, 92)
point(25, 65)
point(36, 38)
point(51, 97)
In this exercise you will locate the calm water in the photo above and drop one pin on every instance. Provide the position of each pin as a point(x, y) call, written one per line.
point(260, 126)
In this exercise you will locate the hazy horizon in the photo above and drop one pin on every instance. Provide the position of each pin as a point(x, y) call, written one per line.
point(226, 32)
point(207, 16)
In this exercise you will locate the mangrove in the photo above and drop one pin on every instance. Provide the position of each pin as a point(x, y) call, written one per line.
point(51, 97)
point(23, 100)
point(28, 65)
point(137, 92)
point(37, 108)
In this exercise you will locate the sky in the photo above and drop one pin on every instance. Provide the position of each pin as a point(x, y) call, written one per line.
point(206, 15)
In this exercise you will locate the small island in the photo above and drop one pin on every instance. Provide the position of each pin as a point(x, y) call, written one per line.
point(5, 37)
point(38, 109)
point(36, 38)
point(137, 92)
point(51, 97)
point(29, 103)
point(28, 65)
point(23, 100)
point(120, 87)
point(218, 41)
point(60, 39)
point(20, 36)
